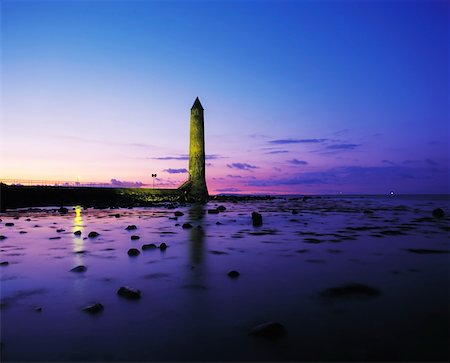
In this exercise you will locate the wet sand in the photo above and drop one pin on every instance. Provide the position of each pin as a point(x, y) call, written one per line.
point(345, 279)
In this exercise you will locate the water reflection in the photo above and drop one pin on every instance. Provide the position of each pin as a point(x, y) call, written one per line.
point(78, 242)
point(197, 234)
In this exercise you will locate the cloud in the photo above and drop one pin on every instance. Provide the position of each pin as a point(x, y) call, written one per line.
point(176, 171)
point(342, 147)
point(297, 162)
point(296, 141)
point(126, 184)
point(186, 157)
point(229, 190)
point(234, 176)
point(277, 152)
point(242, 166)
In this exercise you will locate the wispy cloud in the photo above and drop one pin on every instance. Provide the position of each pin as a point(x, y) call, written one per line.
point(126, 184)
point(277, 152)
point(185, 157)
point(228, 190)
point(242, 166)
point(296, 141)
point(297, 162)
point(342, 146)
point(176, 171)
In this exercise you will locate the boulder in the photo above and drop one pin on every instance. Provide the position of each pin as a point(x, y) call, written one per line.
point(94, 308)
point(257, 219)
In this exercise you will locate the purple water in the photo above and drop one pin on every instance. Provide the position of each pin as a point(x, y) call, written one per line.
point(191, 310)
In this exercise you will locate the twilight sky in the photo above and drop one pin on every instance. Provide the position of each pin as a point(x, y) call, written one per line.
point(299, 96)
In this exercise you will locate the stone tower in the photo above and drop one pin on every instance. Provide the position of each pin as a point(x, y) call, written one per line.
point(197, 190)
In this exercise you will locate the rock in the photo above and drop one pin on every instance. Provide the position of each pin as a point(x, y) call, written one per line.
point(134, 237)
point(2, 237)
point(93, 234)
point(94, 308)
point(186, 226)
point(367, 211)
point(60, 230)
point(131, 227)
point(133, 252)
point(221, 208)
point(305, 198)
point(55, 237)
point(117, 215)
point(269, 330)
point(256, 219)
point(63, 210)
point(163, 246)
point(129, 292)
point(213, 211)
point(9, 224)
point(218, 223)
point(423, 251)
point(350, 290)
point(23, 232)
point(178, 214)
point(80, 268)
point(294, 211)
point(149, 246)
point(438, 213)
point(77, 233)
point(4, 263)
point(38, 309)
point(233, 274)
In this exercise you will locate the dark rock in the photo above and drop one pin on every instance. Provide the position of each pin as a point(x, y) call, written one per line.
point(133, 252)
point(438, 213)
point(77, 233)
point(55, 237)
point(422, 251)
point(2, 237)
point(60, 230)
point(294, 211)
point(9, 224)
point(134, 237)
point(213, 211)
point(38, 309)
point(4, 263)
point(80, 268)
point(93, 234)
point(23, 232)
point(129, 292)
point(257, 219)
point(305, 198)
point(368, 211)
point(233, 274)
point(131, 227)
point(178, 214)
point(149, 246)
point(186, 226)
point(269, 330)
point(221, 208)
point(94, 308)
point(350, 290)
point(163, 246)
point(63, 210)
point(117, 215)
point(218, 223)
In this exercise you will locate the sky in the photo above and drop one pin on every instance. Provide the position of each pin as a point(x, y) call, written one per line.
point(300, 97)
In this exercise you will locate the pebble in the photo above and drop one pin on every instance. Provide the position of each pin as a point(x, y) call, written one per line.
point(5, 263)
point(80, 268)
point(2, 237)
point(233, 274)
point(135, 237)
point(94, 308)
point(9, 224)
point(129, 292)
point(163, 246)
point(133, 252)
point(178, 214)
point(149, 246)
point(77, 233)
point(438, 213)
point(131, 227)
point(92, 234)
point(186, 226)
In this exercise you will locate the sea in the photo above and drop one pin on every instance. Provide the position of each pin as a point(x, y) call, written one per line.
point(343, 278)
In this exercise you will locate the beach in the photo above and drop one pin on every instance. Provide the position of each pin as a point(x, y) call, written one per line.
point(345, 278)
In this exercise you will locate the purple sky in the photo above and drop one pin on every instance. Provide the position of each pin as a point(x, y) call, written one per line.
point(299, 96)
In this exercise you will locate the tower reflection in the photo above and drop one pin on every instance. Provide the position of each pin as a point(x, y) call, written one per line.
point(197, 235)
point(78, 242)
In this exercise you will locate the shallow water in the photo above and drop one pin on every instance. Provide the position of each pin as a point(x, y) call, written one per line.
point(191, 310)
